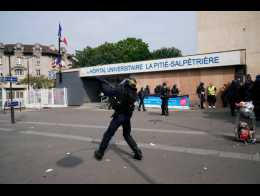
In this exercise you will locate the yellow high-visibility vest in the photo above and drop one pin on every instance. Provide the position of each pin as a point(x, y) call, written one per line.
point(211, 90)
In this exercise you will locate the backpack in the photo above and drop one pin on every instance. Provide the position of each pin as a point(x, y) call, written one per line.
point(125, 102)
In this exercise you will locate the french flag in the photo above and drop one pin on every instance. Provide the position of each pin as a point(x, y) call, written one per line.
point(59, 31)
point(65, 41)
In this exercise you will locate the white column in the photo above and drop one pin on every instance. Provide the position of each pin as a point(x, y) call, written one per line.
point(65, 96)
point(52, 91)
point(4, 96)
point(25, 96)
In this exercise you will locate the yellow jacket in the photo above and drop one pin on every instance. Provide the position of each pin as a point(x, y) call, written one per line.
point(212, 90)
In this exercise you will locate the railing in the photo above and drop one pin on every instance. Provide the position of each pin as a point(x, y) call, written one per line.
point(46, 98)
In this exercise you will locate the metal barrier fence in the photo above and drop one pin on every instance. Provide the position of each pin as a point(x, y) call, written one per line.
point(46, 98)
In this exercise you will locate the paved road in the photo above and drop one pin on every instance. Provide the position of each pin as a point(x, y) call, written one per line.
point(186, 147)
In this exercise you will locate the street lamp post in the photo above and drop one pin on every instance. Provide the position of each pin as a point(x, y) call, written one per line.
point(59, 57)
point(9, 52)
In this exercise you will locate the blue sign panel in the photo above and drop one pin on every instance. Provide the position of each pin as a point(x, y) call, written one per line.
point(181, 102)
point(10, 79)
point(52, 75)
point(12, 104)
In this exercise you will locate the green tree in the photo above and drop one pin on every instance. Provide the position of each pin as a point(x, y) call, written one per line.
point(127, 50)
point(38, 82)
point(166, 53)
point(132, 49)
point(84, 57)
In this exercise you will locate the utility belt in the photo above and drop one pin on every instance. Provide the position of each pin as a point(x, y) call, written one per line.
point(119, 107)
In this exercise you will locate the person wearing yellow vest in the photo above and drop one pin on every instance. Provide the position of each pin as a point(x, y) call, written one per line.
point(211, 98)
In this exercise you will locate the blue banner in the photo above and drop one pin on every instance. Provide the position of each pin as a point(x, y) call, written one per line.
point(180, 102)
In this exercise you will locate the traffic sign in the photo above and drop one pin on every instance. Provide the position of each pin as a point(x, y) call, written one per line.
point(12, 104)
point(10, 79)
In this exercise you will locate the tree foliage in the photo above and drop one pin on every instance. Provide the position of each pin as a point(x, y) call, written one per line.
point(166, 53)
point(38, 82)
point(133, 49)
point(127, 50)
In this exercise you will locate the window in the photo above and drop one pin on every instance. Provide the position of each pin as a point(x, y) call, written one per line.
point(18, 61)
point(38, 62)
point(8, 94)
point(38, 72)
point(19, 94)
point(37, 50)
point(19, 72)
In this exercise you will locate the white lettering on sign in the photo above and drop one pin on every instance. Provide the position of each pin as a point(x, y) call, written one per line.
point(188, 62)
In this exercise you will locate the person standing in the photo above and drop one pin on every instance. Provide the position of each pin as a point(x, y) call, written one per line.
point(256, 97)
point(211, 96)
point(201, 92)
point(175, 91)
point(165, 92)
point(147, 90)
point(234, 95)
point(124, 98)
point(158, 89)
point(223, 91)
point(141, 96)
point(248, 88)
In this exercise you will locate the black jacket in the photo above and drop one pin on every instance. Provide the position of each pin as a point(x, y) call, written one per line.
point(248, 90)
point(147, 91)
point(256, 92)
point(201, 91)
point(175, 91)
point(141, 94)
point(123, 97)
point(165, 93)
point(235, 93)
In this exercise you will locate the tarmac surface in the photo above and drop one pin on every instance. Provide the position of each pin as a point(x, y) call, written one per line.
point(56, 146)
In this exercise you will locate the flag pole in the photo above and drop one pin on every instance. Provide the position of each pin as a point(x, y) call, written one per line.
point(59, 57)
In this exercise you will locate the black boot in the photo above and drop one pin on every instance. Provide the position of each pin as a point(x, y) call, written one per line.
point(98, 155)
point(138, 155)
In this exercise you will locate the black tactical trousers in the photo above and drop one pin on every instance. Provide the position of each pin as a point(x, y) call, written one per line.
point(117, 121)
point(257, 109)
point(164, 106)
point(141, 103)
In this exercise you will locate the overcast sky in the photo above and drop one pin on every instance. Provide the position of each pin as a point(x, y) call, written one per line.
point(92, 28)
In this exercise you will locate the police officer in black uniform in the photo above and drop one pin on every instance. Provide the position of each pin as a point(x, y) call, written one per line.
point(124, 97)
point(165, 92)
point(141, 96)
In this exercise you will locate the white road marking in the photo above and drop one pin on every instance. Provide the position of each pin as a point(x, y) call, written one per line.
point(105, 127)
point(195, 151)
point(6, 129)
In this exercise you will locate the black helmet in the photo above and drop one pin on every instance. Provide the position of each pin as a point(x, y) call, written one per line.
point(132, 82)
point(129, 81)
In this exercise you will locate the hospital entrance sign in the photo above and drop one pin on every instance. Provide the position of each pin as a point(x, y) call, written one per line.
point(170, 64)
